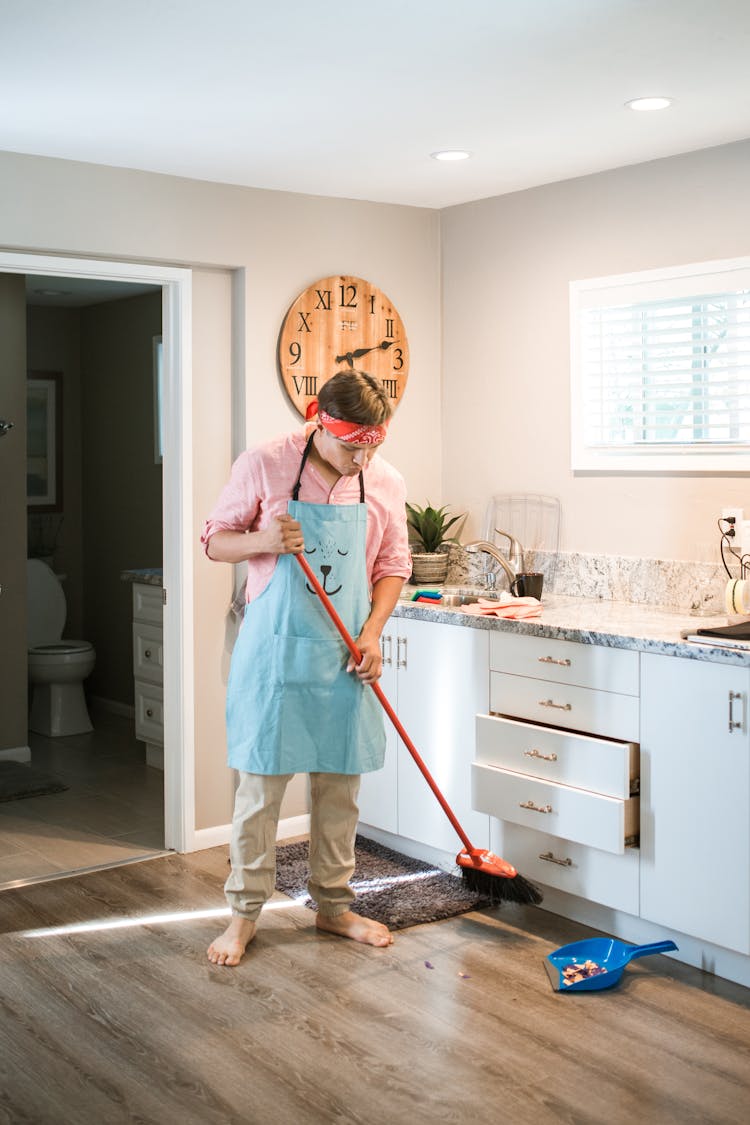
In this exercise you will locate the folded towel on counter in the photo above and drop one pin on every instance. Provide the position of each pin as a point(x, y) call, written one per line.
point(505, 606)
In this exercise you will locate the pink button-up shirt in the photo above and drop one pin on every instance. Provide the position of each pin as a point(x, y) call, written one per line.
point(261, 484)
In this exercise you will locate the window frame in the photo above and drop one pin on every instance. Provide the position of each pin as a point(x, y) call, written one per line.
point(685, 280)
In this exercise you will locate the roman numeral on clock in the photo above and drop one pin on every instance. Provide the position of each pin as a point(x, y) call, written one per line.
point(305, 384)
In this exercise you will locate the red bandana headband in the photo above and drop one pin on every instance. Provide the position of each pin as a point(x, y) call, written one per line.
point(354, 433)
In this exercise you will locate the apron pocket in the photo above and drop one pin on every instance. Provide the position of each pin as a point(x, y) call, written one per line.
point(307, 662)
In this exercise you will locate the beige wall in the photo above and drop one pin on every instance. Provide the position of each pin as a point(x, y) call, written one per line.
point(506, 266)
point(280, 242)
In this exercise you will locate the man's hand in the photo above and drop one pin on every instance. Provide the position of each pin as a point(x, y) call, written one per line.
point(284, 536)
point(370, 667)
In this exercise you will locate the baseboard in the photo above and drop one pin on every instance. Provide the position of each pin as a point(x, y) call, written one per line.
point(114, 706)
point(215, 837)
point(210, 837)
point(293, 826)
point(16, 754)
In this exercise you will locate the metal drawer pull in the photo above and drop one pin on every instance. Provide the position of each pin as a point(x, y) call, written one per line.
point(400, 661)
point(538, 754)
point(733, 724)
point(147, 653)
point(535, 808)
point(550, 858)
point(551, 660)
point(559, 706)
point(389, 658)
point(149, 713)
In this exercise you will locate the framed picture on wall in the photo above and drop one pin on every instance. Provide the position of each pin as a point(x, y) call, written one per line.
point(44, 441)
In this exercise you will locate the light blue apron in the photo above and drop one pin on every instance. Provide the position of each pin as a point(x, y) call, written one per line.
point(291, 705)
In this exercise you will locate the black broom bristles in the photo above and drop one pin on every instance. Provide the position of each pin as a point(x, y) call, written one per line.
point(499, 889)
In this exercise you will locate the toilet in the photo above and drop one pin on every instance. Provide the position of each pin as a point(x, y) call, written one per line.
point(57, 667)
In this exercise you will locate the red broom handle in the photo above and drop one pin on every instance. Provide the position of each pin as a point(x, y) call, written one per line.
point(350, 644)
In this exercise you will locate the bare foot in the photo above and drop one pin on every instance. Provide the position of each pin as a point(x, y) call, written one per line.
point(228, 949)
point(356, 927)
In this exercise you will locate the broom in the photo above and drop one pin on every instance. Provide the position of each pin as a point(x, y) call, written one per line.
point(481, 870)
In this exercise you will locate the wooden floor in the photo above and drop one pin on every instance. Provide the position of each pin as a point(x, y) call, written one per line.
point(132, 1024)
point(111, 812)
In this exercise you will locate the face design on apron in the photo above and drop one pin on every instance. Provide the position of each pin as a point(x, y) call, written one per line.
point(324, 557)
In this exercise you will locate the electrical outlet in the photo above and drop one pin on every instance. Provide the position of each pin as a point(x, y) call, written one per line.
point(735, 514)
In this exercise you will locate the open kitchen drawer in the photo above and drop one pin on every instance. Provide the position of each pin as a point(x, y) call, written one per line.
point(602, 765)
point(599, 821)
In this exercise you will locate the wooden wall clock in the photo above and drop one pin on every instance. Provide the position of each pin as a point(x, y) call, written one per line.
point(337, 323)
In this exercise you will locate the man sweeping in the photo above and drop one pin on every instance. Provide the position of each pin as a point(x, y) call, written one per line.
point(295, 703)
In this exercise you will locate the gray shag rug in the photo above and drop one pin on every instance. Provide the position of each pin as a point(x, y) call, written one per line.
point(391, 888)
point(18, 780)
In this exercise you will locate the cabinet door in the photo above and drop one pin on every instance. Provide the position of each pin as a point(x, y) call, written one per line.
point(148, 652)
point(378, 790)
point(443, 681)
point(149, 712)
point(695, 797)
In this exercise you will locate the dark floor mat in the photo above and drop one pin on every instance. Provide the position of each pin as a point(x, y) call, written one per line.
point(18, 781)
point(391, 888)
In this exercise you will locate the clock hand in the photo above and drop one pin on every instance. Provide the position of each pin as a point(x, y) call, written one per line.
point(359, 352)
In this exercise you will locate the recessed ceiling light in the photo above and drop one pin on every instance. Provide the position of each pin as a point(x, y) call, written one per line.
point(645, 105)
point(451, 154)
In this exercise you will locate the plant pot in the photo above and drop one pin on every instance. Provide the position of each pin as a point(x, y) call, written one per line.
point(429, 568)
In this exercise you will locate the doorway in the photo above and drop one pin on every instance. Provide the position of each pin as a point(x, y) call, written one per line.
point(76, 274)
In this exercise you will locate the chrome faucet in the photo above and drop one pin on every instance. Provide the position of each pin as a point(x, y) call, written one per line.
point(490, 549)
point(515, 551)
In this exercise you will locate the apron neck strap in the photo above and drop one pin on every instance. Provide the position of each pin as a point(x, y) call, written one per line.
point(305, 455)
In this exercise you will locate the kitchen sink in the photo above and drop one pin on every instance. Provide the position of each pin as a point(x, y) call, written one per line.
point(452, 598)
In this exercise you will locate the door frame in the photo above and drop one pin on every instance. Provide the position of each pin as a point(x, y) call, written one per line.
point(177, 499)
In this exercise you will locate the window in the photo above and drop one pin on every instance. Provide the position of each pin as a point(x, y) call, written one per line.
point(660, 370)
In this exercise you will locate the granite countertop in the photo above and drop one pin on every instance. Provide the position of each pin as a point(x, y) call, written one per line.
point(593, 621)
point(149, 576)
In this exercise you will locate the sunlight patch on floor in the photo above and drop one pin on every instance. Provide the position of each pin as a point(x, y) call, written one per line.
point(379, 883)
point(102, 924)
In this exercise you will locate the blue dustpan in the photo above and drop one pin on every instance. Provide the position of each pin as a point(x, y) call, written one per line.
point(595, 963)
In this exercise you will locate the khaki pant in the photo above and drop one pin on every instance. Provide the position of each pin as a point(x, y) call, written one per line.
point(333, 827)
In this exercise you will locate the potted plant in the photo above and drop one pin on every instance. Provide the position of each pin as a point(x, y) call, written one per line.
point(428, 533)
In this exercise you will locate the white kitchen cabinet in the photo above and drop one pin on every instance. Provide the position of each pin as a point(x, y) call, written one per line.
point(378, 793)
point(436, 683)
point(557, 764)
point(695, 783)
point(148, 670)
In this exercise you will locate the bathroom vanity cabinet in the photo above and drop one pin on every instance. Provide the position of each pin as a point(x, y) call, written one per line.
point(148, 670)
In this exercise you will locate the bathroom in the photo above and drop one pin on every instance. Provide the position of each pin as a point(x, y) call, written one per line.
point(95, 342)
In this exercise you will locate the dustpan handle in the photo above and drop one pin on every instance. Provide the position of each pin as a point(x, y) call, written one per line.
point(350, 644)
point(652, 947)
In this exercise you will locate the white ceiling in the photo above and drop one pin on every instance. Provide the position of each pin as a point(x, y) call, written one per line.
point(347, 98)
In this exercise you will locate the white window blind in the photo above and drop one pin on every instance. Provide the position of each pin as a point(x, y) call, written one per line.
point(661, 369)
